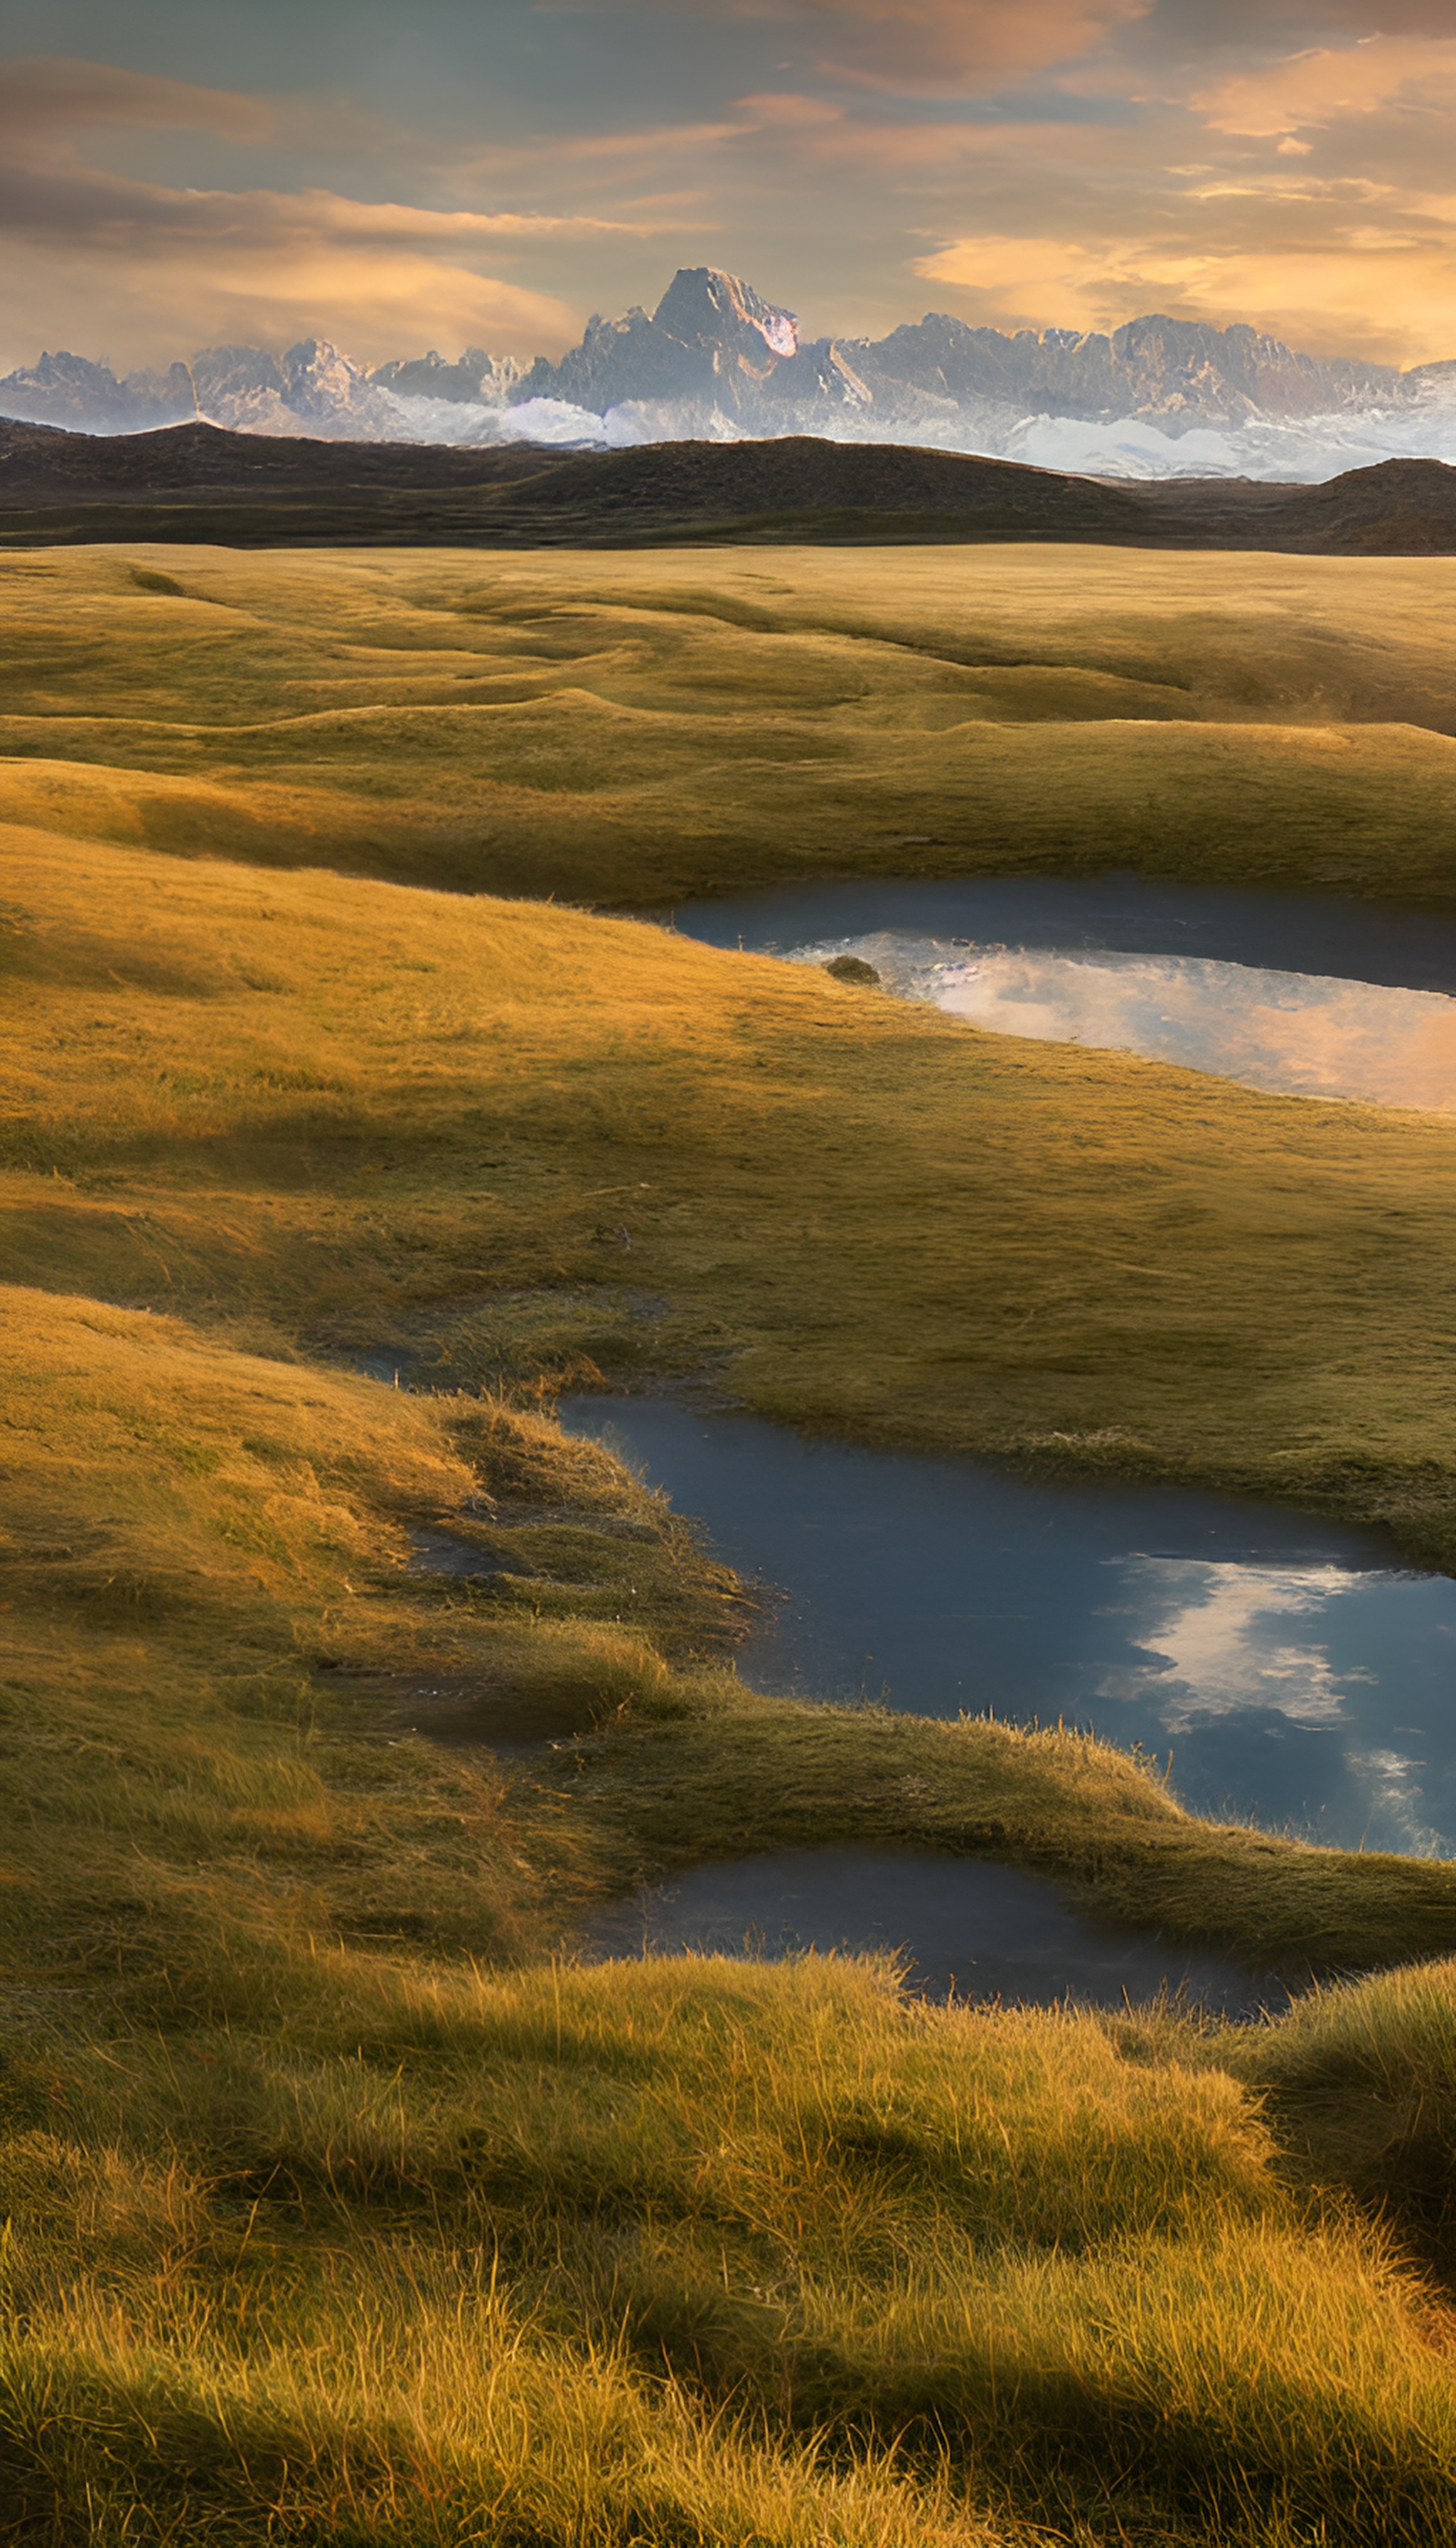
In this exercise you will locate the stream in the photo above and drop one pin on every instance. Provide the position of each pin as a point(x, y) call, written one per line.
point(1290, 1672)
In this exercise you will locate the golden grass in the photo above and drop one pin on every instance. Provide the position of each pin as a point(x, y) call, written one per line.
point(323, 2222)
point(631, 731)
point(705, 2252)
point(221, 1683)
point(331, 2216)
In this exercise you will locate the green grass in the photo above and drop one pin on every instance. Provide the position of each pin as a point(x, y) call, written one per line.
point(632, 731)
point(341, 2209)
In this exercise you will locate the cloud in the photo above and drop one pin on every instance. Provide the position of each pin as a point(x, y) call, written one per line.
point(1325, 277)
point(1112, 156)
point(106, 258)
point(771, 109)
point(921, 46)
point(46, 97)
point(1213, 1651)
point(1390, 16)
point(1325, 87)
point(188, 266)
point(913, 45)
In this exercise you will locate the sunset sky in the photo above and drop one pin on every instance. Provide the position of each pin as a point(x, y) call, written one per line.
point(186, 172)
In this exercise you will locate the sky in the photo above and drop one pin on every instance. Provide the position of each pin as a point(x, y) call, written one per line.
point(178, 173)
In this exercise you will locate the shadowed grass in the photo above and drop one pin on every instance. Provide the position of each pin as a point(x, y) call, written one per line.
point(708, 2252)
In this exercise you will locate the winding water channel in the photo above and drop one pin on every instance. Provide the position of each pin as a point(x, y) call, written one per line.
point(1299, 1676)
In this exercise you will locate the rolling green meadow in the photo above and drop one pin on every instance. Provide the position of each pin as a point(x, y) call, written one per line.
point(345, 2205)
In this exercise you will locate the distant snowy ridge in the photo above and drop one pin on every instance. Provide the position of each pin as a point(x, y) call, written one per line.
point(716, 362)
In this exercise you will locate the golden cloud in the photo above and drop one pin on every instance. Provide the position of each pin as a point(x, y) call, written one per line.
point(962, 44)
point(384, 306)
point(1318, 292)
point(188, 267)
point(1326, 86)
point(44, 96)
point(920, 46)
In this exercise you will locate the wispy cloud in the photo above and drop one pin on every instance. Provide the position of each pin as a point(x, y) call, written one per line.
point(45, 99)
point(1332, 84)
point(919, 46)
point(194, 263)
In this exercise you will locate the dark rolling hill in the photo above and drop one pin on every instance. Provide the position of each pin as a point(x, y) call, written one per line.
point(200, 483)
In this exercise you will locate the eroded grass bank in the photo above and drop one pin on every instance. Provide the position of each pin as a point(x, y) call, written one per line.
point(337, 2213)
point(635, 730)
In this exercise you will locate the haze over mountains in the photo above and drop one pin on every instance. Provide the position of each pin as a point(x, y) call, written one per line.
point(716, 362)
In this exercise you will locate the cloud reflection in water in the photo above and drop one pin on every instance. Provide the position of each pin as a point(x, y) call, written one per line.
point(1307, 1035)
point(1208, 1627)
point(1216, 1640)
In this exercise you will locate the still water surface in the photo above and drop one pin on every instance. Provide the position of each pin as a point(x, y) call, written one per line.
point(1354, 942)
point(1285, 992)
point(1299, 1674)
point(964, 1926)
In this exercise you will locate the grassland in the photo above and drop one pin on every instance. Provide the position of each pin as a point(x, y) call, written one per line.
point(631, 731)
point(339, 2211)
point(336, 2213)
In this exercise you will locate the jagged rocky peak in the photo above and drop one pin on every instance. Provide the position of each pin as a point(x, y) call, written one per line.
point(713, 339)
point(311, 388)
point(475, 379)
point(704, 306)
point(67, 389)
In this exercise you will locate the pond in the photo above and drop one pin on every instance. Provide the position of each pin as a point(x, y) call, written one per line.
point(1285, 992)
point(1300, 1677)
point(962, 1928)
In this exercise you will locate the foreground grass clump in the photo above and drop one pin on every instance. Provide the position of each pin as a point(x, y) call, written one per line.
point(707, 2252)
point(484, 1140)
point(635, 730)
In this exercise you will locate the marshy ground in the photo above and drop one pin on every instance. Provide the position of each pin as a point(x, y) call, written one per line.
point(341, 2213)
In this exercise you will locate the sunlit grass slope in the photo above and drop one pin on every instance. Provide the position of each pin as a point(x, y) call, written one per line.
point(502, 1138)
point(330, 2218)
point(626, 730)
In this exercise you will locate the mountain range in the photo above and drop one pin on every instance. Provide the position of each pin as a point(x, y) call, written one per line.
point(716, 362)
